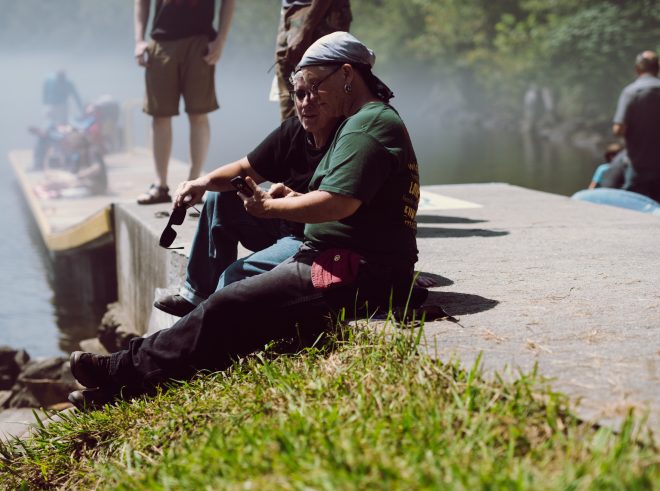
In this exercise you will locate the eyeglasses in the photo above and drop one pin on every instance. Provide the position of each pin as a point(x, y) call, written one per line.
point(169, 234)
point(300, 94)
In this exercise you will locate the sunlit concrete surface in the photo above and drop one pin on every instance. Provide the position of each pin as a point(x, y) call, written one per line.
point(534, 278)
point(537, 278)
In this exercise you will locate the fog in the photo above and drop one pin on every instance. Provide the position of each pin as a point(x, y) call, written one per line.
point(28, 317)
point(245, 114)
point(446, 153)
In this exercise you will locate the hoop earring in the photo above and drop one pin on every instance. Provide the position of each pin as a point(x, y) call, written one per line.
point(348, 88)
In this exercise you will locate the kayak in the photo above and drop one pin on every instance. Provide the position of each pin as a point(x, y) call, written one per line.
point(619, 198)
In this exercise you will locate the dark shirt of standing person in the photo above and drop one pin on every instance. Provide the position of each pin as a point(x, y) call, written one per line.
point(637, 119)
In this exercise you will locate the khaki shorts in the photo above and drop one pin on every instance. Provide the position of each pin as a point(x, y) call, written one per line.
point(177, 68)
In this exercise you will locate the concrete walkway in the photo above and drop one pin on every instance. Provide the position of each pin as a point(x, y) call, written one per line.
point(538, 278)
point(534, 278)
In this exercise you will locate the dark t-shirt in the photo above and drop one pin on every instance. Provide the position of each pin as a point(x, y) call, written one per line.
point(371, 159)
point(178, 19)
point(639, 110)
point(289, 156)
point(57, 90)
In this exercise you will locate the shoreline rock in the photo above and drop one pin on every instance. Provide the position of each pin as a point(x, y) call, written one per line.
point(26, 383)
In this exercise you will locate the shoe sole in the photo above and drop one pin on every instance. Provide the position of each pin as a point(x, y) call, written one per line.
point(78, 400)
point(169, 310)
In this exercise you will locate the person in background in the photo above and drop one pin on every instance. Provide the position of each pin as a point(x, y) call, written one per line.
point(179, 61)
point(57, 90)
point(301, 23)
point(290, 154)
point(637, 119)
point(359, 246)
point(615, 161)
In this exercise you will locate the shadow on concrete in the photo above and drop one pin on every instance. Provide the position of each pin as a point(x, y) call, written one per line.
point(435, 232)
point(460, 303)
point(439, 280)
point(441, 219)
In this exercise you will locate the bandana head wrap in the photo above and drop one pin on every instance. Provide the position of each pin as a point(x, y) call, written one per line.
point(342, 47)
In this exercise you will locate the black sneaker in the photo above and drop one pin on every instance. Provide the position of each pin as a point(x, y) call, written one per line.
point(174, 305)
point(92, 399)
point(91, 370)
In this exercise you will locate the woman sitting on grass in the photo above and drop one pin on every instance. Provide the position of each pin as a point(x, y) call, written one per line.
point(358, 252)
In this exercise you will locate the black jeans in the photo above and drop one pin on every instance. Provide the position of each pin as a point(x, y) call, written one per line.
point(246, 315)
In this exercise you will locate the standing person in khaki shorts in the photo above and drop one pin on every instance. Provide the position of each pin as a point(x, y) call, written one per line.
point(301, 23)
point(179, 61)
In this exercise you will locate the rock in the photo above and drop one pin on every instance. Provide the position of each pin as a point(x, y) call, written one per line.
point(44, 383)
point(93, 345)
point(23, 397)
point(22, 358)
point(49, 368)
point(5, 396)
point(114, 331)
point(9, 368)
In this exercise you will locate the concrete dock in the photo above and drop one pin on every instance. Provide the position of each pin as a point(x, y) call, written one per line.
point(538, 278)
point(534, 278)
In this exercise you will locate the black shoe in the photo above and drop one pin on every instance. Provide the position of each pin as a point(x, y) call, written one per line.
point(91, 399)
point(175, 305)
point(91, 370)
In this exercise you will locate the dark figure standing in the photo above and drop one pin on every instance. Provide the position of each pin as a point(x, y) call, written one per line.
point(637, 119)
point(57, 90)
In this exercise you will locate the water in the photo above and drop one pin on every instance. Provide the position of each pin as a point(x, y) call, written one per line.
point(29, 315)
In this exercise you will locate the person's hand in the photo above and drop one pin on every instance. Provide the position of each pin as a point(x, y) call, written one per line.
point(257, 204)
point(279, 190)
point(141, 53)
point(189, 193)
point(214, 51)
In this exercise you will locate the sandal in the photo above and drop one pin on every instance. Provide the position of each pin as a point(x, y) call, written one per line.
point(154, 195)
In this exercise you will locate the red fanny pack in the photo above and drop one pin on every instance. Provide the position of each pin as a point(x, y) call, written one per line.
point(335, 267)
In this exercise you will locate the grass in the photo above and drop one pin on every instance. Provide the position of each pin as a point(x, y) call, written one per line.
point(365, 410)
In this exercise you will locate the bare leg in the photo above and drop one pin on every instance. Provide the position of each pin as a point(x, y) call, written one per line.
point(162, 147)
point(200, 137)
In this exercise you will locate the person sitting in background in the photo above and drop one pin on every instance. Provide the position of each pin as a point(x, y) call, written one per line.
point(611, 173)
point(290, 154)
point(359, 245)
point(84, 173)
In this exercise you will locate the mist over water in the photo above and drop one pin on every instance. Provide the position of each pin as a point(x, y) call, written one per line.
point(446, 154)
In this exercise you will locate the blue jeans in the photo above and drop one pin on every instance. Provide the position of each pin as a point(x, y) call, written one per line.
point(222, 225)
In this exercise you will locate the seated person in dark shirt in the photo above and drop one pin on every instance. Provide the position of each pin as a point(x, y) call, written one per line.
point(289, 155)
point(611, 173)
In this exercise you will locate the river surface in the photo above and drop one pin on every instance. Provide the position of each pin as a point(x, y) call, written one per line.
point(29, 316)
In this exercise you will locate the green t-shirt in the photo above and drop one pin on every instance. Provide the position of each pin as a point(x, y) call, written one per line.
point(372, 159)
